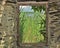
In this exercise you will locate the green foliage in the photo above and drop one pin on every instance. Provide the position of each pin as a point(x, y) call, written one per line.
point(32, 27)
point(38, 8)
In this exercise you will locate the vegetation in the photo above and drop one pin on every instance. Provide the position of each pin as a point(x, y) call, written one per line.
point(32, 26)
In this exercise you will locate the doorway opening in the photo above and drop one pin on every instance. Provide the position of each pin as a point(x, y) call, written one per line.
point(32, 24)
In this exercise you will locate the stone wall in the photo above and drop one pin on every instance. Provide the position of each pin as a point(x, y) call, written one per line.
point(8, 24)
point(54, 23)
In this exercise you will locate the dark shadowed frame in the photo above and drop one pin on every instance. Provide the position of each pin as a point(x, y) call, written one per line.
point(33, 4)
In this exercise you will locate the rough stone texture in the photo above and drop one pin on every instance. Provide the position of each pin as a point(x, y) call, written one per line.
point(10, 0)
point(54, 0)
point(54, 24)
point(8, 24)
point(14, 1)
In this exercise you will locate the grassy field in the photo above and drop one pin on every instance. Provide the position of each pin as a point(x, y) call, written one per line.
point(31, 27)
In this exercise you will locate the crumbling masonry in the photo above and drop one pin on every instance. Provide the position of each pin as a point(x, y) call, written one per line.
point(8, 24)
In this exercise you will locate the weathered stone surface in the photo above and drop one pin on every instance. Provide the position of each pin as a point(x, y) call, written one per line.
point(8, 25)
point(54, 24)
point(12, 1)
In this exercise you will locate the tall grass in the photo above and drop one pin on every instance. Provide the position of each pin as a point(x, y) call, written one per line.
point(32, 27)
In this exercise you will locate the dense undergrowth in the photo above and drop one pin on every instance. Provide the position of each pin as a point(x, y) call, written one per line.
point(32, 27)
